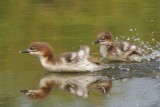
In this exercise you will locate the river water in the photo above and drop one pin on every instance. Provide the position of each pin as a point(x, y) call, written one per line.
point(66, 25)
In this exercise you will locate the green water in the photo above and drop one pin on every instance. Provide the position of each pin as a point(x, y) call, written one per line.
point(66, 25)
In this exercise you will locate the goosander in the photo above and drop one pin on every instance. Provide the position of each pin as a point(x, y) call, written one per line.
point(69, 61)
point(118, 51)
point(79, 85)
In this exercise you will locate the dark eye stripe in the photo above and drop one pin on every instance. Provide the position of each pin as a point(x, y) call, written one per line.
point(33, 48)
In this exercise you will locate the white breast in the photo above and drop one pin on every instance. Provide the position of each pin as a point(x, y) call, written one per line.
point(103, 51)
point(82, 65)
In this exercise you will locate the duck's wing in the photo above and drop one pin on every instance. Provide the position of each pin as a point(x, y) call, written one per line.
point(86, 54)
point(140, 51)
point(133, 49)
point(69, 57)
point(128, 49)
point(73, 57)
point(82, 54)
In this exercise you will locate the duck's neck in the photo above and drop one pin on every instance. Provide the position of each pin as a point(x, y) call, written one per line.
point(106, 48)
point(103, 50)
point(47, 60)
point(50, 59)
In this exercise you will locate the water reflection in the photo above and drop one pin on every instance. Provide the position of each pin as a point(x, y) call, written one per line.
point(76, 84)
point(135, 92)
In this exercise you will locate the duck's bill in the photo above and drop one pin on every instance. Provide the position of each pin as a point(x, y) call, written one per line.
point(25, 51)
point(96, 42)
point(23, 91)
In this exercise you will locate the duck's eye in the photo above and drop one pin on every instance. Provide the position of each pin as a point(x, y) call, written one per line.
point(103, 38)
point(34, 48)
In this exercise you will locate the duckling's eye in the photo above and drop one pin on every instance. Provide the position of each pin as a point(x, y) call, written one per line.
point(34, 48)
point(103, 38)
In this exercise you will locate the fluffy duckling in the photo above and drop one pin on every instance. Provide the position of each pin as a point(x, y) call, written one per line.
point(118, 51)
point(69, 61)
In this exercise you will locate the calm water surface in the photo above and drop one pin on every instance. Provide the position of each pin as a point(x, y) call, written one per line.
point(66, 25)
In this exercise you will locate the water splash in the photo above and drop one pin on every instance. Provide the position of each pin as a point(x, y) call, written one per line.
point(154, 53)
point(138, 40)
point(132, 29)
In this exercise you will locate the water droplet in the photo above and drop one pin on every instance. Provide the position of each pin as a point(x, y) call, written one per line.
point(137, 105)
point(126, 98)
point(131, 29)
point(143, 91)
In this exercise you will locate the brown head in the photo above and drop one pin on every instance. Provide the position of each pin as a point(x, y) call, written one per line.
point(39, 49)
point(104, 38)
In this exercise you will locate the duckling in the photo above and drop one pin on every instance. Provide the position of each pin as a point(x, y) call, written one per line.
point(118, 51)
point(69, 61)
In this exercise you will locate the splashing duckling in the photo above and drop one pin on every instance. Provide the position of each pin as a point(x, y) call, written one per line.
point(69, 61)
point(118, 51)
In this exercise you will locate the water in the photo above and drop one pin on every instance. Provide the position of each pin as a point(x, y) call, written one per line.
point(66, 25)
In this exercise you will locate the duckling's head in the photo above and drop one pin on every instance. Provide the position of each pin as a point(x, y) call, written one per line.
point(104, 38)
point(39, 49)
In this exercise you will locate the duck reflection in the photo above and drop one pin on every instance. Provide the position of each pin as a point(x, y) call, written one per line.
point(76, 84)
